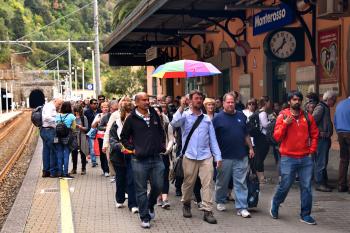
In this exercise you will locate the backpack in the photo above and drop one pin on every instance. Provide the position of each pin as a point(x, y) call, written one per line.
point(253, 125)
point(269, 133)
point(37, 117)
point(62, 131)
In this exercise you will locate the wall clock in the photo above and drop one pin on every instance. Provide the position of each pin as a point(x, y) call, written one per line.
point(285, 45)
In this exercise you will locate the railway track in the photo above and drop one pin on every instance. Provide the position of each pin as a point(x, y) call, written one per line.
point(5, 134)
point(9, 126)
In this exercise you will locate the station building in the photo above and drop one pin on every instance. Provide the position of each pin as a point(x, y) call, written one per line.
point(261, 47)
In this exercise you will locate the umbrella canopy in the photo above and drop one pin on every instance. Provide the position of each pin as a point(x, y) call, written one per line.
point(185, 69)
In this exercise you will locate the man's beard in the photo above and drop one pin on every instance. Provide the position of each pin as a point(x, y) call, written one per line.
point(296, 107)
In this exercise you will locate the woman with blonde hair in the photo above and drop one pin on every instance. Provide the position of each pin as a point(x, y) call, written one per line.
point(209, 105)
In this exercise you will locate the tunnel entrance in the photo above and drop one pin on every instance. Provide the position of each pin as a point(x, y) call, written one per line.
point(36, 98)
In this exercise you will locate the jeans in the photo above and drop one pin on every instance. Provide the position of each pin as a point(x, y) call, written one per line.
point(344, 143)
point(125, 183)
point(321, 160)
point(92, 152)
point(236, 169)
point(49, 152)
point(62, 158)
point(103, 157)
point(152, 169)
point(289, 168)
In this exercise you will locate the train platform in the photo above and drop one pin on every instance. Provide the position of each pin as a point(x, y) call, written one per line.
point(6, 117)
point(86, 204)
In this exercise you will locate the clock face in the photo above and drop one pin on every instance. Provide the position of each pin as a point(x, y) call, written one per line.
point(283, 44)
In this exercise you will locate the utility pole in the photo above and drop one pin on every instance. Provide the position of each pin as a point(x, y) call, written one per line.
point(58, 74)
point(83, 77)
point(76, 81)
point(70, 68)
point(97, 50)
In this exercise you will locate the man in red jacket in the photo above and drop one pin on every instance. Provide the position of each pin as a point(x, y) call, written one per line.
point(297, 132)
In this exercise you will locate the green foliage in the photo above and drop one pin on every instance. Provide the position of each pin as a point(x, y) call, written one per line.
point(125, 81)
point(122, 9)
point(17, 25)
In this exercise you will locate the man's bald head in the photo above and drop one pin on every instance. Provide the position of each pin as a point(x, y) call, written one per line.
point(58, 102)
point(142, 101)
point(140, 95)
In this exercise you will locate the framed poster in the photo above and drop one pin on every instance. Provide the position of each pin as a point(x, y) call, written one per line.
point(328, 44)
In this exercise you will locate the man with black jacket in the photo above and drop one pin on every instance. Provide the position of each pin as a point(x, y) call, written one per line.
point(144, 135)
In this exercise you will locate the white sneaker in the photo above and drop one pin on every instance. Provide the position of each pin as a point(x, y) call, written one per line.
point(244, 213)
point(221, 207)
point(119, 205)
point(200, 206)
point(106, 174)
point(134, 210)
point(126, 196)
point(145, 224)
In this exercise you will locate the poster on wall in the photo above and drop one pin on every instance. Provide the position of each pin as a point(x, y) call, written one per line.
point(328, 44)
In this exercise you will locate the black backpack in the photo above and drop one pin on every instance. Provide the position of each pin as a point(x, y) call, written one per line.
point(37, 118)
point(62, 131)
point(253, 190)
point(269, 133)
point(253, 125)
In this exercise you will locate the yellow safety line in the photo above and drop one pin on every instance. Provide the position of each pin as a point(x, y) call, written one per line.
point(66, 208)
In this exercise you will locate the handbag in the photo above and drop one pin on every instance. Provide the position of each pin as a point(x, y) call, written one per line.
point(92, 133)
point(178, 168)
point(253, 189)
point(73, 141)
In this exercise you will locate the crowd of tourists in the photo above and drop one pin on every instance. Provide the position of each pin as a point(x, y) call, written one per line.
point(206, 146)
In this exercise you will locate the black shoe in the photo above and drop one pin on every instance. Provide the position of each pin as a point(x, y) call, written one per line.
point(73, 171)
point(209, 217)
point(323, 188)
point(186, 210)
point(53, 176)
point(46, 174)
point(67, 177)
point(178, 193)
point(343, 189)
point(83, 172)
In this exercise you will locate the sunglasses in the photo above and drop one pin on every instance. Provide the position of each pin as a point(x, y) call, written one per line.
point(94, 103)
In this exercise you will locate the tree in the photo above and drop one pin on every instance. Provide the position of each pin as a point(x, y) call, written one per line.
point(18, 25)
point(122, 9)
point(124, 81)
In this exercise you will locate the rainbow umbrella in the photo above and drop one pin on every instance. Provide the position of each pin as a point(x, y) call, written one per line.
point(185, 69)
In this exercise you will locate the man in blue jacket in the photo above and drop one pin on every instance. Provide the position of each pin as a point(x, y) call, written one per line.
point(342, 126)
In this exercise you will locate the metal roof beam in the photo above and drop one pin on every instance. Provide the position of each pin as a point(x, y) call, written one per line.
point(202, 13)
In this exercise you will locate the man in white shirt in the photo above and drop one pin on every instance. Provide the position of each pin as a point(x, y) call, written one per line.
point(47, 134)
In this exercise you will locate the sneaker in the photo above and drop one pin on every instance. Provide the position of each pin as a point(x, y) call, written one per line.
point(159, 202)
point(45, 174)
point(134, 210)
point(221, 207)
point(186, 211)
point(106, 174)
point(126, 196)
point(94, 164)
point(308, 220)
point(166, 204)
point(112, 180)
point(244, 213)
point(274, 210)
point(152, 214)
point(119, 205)
point(83, 172)
point(178, 193)
point(209, 217)
point(145, 224)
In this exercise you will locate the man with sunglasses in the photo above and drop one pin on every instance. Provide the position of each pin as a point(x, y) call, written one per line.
point(90, 114)
point(298, 134)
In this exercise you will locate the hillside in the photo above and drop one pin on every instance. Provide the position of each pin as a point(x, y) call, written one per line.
point(23, 19)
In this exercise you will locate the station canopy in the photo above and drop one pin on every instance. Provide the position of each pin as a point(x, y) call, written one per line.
point(164, 24)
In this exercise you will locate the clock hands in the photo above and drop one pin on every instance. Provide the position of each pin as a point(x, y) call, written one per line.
point(281, 46)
